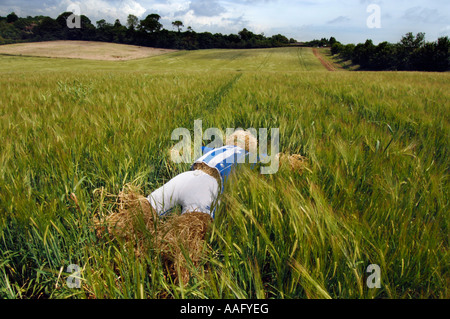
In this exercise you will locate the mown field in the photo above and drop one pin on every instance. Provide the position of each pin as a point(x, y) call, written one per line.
point(375, 191)
point(89, 50)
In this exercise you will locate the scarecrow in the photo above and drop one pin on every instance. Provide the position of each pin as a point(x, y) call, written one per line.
point(197, 191)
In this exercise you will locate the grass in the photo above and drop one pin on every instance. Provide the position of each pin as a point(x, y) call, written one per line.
point(375, 192)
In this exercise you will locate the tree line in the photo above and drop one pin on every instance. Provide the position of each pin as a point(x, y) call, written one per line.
point(147, 32)
point(411, 53)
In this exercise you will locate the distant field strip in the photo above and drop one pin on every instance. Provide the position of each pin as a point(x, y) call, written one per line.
point(271, 60)
point(82, 50)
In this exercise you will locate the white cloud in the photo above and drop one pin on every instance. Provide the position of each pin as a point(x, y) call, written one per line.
point(445, 31)
point(340, 19)
point(108, 10)
point(300, 19)
point(420, 14)
point(206, 8)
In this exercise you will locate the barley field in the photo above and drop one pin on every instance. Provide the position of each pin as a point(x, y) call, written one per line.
point(375, 189)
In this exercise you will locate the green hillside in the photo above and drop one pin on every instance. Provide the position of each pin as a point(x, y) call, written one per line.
point(276, 59)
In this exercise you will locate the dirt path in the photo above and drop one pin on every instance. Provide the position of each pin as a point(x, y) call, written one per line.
point(328, 65)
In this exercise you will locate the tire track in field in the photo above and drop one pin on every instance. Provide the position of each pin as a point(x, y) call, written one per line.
point(220, 93)
point(212, 102)
point(222, 64)
point(301, 59)
point(264, 61)
point(324, 62)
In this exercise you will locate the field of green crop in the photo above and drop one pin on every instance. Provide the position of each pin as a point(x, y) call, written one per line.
point(376, 189)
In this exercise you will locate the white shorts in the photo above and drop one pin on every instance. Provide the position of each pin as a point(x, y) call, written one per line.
point(193, 190)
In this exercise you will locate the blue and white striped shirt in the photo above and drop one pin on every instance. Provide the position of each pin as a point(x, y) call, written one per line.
point(224, 159)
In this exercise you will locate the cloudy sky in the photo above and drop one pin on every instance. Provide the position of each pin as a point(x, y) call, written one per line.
point(346, 20)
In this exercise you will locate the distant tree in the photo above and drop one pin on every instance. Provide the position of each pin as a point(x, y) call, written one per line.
point(245, 34)
point(347, 51)
point(411, 42)
point(120, 33)
point(151, 23)
point(407, 50)
point(49, 29)
point(279, 40)
point(87, 29)
point(22, 24)
point(178, 24)
point(362, 54)
point(442, 54)
point(101, 24)
point(319, 43)
point(132, 22)
point(117, 23)
point(384, 57)
point(12, 17)
point(434, 56)
point(105, 31)
point(332, 41)
point(336, 48)
point(9, 32)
